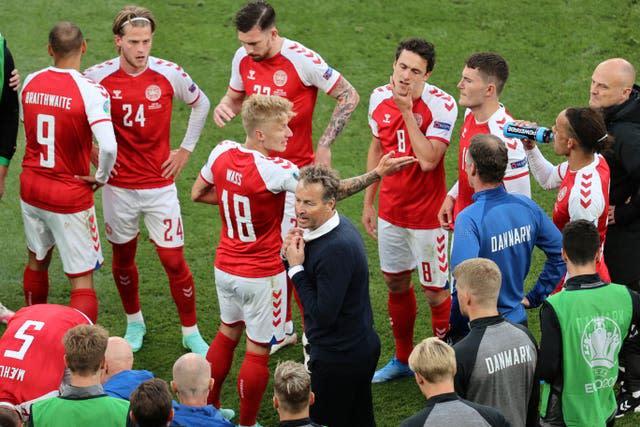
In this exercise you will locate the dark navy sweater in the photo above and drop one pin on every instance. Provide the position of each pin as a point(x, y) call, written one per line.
point(334, 290)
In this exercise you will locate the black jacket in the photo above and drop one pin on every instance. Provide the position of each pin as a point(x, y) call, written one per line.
point(623, 237)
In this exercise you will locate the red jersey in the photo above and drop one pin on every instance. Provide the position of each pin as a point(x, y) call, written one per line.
point(411, 198)
point(516, 179)
point(31, 352)
point(142, 106)
point(294, 73)
point(59, 106)
point(584, 194)
point(251, 190)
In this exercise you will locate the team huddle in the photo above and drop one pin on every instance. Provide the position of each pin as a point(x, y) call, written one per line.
point(281, 236)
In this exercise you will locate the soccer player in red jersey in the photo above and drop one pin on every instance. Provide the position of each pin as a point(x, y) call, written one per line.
point(269, 64)
point(142, 90)
point(412, 117)
point(61, 111)
point(483, 78)
point(582, 180)
point(250, 188)
point(31, 354)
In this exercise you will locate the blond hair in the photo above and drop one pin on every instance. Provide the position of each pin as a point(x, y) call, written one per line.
point(258, 110)
point(480, 277)
point(136, 16)
point(292, 386)
point(434, 360)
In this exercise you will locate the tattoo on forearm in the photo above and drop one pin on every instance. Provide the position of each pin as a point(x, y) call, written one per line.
point(353, 185)
point(347, 101)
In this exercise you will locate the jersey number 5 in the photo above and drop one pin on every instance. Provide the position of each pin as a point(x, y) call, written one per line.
point(27, 340)
point(242, 215)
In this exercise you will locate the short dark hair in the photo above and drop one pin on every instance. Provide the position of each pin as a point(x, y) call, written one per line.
point(493, 66)
point(581, 241)
point(84, 348)
point(257, 13)
point(587, 126)
point(65, 39)
point(150, 403)
point(420, 47)
point(328, 178)
point(490, 156)
point(9, 417)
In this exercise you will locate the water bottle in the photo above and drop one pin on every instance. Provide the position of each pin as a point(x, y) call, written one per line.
point(536, 133)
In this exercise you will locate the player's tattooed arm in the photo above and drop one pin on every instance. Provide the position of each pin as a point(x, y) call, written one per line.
point(347, 99)
point(386, 166)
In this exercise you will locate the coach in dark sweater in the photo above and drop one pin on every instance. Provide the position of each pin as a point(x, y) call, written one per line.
point(328, 266)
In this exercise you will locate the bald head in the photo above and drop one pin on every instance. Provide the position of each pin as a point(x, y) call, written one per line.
point(611, 83)
point(119, 356)
point(191, 378)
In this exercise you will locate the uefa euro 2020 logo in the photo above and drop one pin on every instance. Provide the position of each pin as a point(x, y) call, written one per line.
point(601, 340)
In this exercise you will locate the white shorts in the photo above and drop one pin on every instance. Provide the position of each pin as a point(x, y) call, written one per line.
point(159, 207)
point(76, 236)
point(402, 249)
point(259, 303)
point(289, 218)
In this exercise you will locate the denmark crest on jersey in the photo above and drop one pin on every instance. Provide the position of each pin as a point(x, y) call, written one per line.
point(562, 193)
point(153, 93)
point(280, 78)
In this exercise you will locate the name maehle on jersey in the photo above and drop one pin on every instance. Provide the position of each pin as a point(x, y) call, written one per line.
point(509, 238)
point(507, 358)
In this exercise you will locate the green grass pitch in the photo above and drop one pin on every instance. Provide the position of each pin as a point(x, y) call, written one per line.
point(551, 46)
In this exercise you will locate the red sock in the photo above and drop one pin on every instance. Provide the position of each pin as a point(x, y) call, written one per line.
point(402, 311)
point(125, 274)
point(86, 301)
point(220, 357)
point(36, 286)
point(440, 318)
point(181, 283)
point(252, 382)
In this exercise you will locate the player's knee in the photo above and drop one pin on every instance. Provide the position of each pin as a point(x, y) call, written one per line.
point(124, 254)
point(173, 261)
point(397, 282)
point(435, 296)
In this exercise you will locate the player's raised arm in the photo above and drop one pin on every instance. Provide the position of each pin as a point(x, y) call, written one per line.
point(347, 99)
point(386, 166)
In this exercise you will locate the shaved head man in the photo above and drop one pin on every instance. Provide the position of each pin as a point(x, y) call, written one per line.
point(119, 379)
point(615, 94)
point(611, 83)
point(191, 383)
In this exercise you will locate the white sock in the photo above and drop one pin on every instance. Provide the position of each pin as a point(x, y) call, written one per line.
point(636, 394)
point(135, 317)
point(188, 330)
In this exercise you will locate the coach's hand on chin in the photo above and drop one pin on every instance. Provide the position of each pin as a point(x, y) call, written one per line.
point(295, 251)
